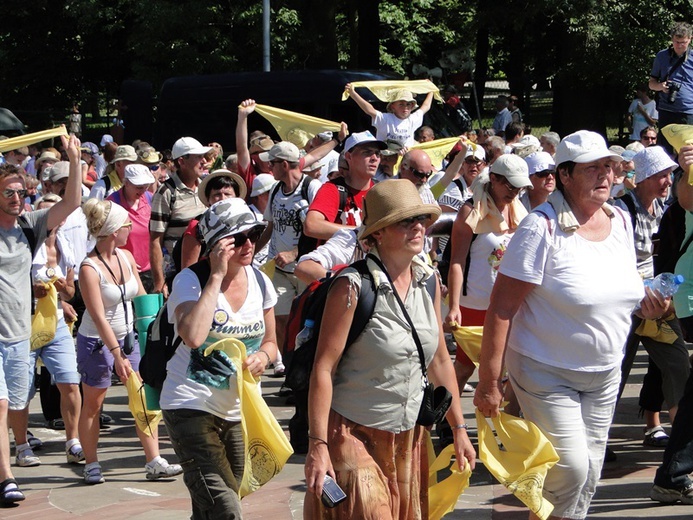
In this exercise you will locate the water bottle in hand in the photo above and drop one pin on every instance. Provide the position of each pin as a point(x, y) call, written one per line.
point(305, 334)
point(665, 284)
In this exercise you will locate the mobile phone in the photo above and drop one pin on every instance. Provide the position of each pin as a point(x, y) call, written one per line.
point(332, 494)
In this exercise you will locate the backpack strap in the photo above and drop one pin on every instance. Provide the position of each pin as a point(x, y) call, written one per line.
point(305, 183)
point(365, 304)
point(630, 204)
point(172, 188)
point(275, 190)
point(261, 282)
point(202, 270)
point(29, 233)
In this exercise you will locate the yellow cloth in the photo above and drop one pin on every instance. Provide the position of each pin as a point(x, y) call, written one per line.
point(295, 127)
point(679, 136)
point(266, 447)
point(384, 90)
point(33, 138)
point(116, 183)
point(469, 339)
point(566, 218)
point(45, 320)
point(147, 420)
point(443, 495)
point(659, 330)
point(268, 268)
point(522, 465)
point(485, 217)
point(437, 150)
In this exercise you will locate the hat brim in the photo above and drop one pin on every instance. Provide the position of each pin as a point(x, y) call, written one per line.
point(520, 181)
point(241, 229)
point(242, 188)
point(381, 144)
point(142, 180)
point(596, 156)
point(424, 209)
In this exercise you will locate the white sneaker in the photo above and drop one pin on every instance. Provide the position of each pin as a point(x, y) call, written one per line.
point(74, 454)
point(92, 474)
point(26, 457)
point(468, 388)
point(162, 469)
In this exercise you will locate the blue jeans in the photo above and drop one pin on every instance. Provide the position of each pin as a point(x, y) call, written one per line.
point(212, 454)
point(678, 455)
point(14, 373)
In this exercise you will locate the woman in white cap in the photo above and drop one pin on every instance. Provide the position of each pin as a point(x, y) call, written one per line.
point(109, 281)
point(542, 174)
point(136, 198)
point(480, 235)
point(200, 403)
point(365, 400)
point(568, 283)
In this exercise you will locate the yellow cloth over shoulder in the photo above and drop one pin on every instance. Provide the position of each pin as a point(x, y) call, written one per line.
point(45, 320)
point(679, 136)
point(522, 465)
point(384, 90)
point(485, 217)
point(147, 420)
point(296, 127)
point(266, 447)
point(33, 138)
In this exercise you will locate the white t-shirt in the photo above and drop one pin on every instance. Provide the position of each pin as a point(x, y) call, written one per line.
point(186, 386)
point(338, 250)
point(283, 211)
point(389, 126)
point(639, 121)
point(579, 314)
point(485, 255)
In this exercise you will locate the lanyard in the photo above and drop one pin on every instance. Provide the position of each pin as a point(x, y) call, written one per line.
point(121, 288)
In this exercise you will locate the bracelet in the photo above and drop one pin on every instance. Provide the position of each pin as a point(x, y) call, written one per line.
point(319, 440)
point(114, 348)
point(461, 427)
point(268, 357)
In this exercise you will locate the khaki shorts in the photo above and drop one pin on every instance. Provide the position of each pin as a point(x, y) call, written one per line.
point(287, 287)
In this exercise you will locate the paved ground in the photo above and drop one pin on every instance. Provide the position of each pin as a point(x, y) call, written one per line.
point(54, 490)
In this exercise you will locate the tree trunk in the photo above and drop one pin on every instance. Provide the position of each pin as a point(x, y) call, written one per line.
point(368, 34)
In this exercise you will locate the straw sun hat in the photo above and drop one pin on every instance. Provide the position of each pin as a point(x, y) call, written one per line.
point(390, 201)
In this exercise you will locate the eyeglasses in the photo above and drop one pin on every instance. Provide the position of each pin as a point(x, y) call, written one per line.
point(472, 160)
point(409, 222)
point(420, 175)
point(10, 193)
point(544, 173)
point(254, 234)
point(507, 184)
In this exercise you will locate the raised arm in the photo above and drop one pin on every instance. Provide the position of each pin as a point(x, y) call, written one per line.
point(426, 105)
point(246, 108)
point(325, 148)
point(362, 103)
point(73, 191)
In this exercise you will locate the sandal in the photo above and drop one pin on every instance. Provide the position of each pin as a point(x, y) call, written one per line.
point(9, 492)
point(656, 437)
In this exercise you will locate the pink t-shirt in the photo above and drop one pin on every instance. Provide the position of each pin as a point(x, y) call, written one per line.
point(138, 241)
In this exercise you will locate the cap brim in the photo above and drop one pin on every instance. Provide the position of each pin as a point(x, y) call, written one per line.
point(520, 181)
point(596, 156)
point(264, 157)
point(229, 232)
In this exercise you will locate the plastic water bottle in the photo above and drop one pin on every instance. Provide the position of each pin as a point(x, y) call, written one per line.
point(665, 284)
point(305, 334)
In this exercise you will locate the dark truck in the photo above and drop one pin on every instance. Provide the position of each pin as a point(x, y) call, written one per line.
point(206, 106)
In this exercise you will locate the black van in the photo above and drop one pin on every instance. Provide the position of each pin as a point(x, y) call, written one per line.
point(205, 107)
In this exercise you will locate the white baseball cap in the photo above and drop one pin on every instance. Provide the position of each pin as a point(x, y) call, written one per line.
point(188, 145)
point(139, 175)
point(539, 162)
point(513, 168)
point(262, 184)
point(362, 138)
point(583, 146)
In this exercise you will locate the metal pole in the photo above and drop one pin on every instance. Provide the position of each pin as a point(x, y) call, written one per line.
point(266, 35)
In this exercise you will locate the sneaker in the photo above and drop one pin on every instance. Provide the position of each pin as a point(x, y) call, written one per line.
point(75, 455)
point(162, 469)
point(34, 442)
point(279, 370)
point(468, 388)
point(671, 496)
point(26, 457)
point(656, 437)
point(93, 475)
point(284, 391)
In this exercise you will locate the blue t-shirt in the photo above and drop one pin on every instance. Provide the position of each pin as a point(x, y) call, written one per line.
point(683, 75)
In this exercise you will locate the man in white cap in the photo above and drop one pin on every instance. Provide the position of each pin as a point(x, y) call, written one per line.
point(174, 205)
point(112, 182)
point(542, 173)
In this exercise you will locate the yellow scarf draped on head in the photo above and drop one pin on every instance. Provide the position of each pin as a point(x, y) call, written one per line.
point(295, 127)
point(384, 90)
point(485, 216)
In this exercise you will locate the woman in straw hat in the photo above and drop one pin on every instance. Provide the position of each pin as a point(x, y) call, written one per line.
point(364, 401)
point(105, 341)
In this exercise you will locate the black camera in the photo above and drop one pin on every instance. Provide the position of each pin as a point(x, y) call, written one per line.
point(673, 91)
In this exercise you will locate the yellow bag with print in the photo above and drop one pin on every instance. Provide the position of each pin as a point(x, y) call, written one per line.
point(443, 495)
point(469, 340)
point(522, 465)
point(45, 320)
point(147, 420)
point(266, 446)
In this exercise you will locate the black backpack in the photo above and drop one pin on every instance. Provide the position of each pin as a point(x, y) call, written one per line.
point(162, 340)
point(309, 305)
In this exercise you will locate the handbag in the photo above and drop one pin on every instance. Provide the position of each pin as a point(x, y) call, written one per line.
point(436, 401)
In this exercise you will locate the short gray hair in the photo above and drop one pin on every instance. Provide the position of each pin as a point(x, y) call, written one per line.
point(552, 137)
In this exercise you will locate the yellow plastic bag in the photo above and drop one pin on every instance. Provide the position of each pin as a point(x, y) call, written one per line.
point(522, 465)
point(296, 127)
point(147, 420)
point(659, 330)
point(443, 495)
point(679, 136)
point(45, 320)
point(469, 340)
point(266, 446)
point(385, 89)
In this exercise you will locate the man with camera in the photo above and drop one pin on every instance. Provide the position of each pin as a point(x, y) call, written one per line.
point(670, 77)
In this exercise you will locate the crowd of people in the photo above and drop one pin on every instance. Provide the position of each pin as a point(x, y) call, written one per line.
point(552, 236)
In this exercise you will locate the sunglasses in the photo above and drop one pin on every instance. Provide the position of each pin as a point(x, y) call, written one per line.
point(472, 160)
point(253, 234)
point(544, 173)
point(10, 193)
point(420, 175)
point(507, 183)
point(154, 167)
point(409, 222)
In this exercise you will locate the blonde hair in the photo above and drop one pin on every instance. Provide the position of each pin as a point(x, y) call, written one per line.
point(51, 198)
point(96, 211)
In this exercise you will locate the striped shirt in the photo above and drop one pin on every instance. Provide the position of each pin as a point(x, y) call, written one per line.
point(646, 225)
point(173, 207)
